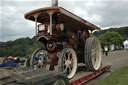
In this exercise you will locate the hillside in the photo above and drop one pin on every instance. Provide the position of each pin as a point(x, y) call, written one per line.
point(122, 30)
point(20, 47)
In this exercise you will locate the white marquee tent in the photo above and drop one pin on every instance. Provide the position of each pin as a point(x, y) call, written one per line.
point(126, 44)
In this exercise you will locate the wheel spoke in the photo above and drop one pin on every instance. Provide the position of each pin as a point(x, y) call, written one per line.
point(95, 47)
point(64, 64)
point(66, 56)
point(66, 68)
point(94, 60)
point(70, 70)
point(69, 55)
point(93, 50)
point(71, 59)
point(93, 53)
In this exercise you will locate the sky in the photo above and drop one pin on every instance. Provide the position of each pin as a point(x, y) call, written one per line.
point(102, 13)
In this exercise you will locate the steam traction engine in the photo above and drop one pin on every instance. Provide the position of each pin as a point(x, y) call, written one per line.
point(66, 39)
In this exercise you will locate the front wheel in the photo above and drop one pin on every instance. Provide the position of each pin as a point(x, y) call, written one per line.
point(68, 62)
point(38, 59)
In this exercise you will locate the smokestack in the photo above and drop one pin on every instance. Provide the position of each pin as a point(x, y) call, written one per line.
point(54, 2)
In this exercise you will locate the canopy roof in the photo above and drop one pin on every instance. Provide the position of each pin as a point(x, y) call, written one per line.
point(69, 19)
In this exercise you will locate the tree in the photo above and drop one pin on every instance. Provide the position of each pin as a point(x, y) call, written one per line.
point(110, 38)
point(34, 47)
point(19, 47)
point(122, 31)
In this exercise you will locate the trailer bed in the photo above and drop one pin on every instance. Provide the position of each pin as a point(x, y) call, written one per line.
point(30, 77)
point(27, 76)
point(84, 76)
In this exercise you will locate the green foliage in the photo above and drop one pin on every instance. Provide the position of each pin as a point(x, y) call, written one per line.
point(33, 48)
point(92, 35)
point(110, 38)
point(119, 77)
point(19, 47)
point(122, 31)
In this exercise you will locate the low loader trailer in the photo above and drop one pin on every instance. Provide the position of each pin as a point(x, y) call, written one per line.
point(27, 76)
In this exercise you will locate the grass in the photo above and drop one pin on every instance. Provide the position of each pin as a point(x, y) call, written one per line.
point(119, 77)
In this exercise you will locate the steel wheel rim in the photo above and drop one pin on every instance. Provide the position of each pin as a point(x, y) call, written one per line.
point(70, 63)
point(96, 54)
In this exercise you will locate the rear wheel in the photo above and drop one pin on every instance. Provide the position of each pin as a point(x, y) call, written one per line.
point(68, 62)
point(92, 53)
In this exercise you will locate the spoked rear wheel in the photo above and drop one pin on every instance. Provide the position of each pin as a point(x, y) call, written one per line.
point(38, 58)
point(92, 53)
point(68, 62)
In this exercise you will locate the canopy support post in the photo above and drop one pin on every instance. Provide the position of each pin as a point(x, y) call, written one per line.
point(50, 14)
point(36, 16)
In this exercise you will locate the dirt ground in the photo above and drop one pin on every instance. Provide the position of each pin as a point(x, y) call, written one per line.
point(116, 59)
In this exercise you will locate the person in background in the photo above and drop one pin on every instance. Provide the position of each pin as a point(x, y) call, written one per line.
point(106, 50)
point(39, 61)
point(122, 47)
point(9, 63)
point(103, 50)
point(5, 59)
point(17, 60)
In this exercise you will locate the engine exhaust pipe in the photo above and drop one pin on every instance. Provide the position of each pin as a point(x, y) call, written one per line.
point(54, 2)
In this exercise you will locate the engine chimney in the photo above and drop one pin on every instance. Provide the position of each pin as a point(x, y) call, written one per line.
point(54, 2)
